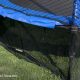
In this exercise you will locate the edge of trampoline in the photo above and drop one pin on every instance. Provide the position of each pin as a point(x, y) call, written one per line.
point(44, 22)
point(9, 10)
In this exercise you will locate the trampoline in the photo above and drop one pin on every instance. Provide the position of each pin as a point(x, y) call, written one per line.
point(42, 13)
point(47, 14)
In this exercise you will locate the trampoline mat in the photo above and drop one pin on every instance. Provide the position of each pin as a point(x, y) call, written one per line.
point(58, 7)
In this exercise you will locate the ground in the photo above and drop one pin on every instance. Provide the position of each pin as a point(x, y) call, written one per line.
point(11, 65)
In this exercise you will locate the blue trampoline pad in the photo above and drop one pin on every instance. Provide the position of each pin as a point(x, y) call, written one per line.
point(44, 13)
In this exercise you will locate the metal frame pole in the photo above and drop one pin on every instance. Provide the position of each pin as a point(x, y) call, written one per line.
point(73, 49)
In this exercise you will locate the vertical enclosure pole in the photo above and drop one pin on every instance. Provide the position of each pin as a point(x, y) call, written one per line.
point(74, 45)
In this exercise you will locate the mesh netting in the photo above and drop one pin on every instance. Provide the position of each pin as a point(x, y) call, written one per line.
point(25, 38)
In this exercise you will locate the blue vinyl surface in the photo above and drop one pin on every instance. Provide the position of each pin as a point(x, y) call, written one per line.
point(77, 14)
point(8, 9)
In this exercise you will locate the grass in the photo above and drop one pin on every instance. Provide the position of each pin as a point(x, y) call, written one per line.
point(76, 69)
point(11, 65)
point(61, 62)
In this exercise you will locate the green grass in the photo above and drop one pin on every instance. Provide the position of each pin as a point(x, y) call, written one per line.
point(11, 65)
point(76, 69)
point(61, 62)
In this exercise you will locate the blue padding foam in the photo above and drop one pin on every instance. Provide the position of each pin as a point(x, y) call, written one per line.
point(28, 19)
point(31, 16)
point(77, 14)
